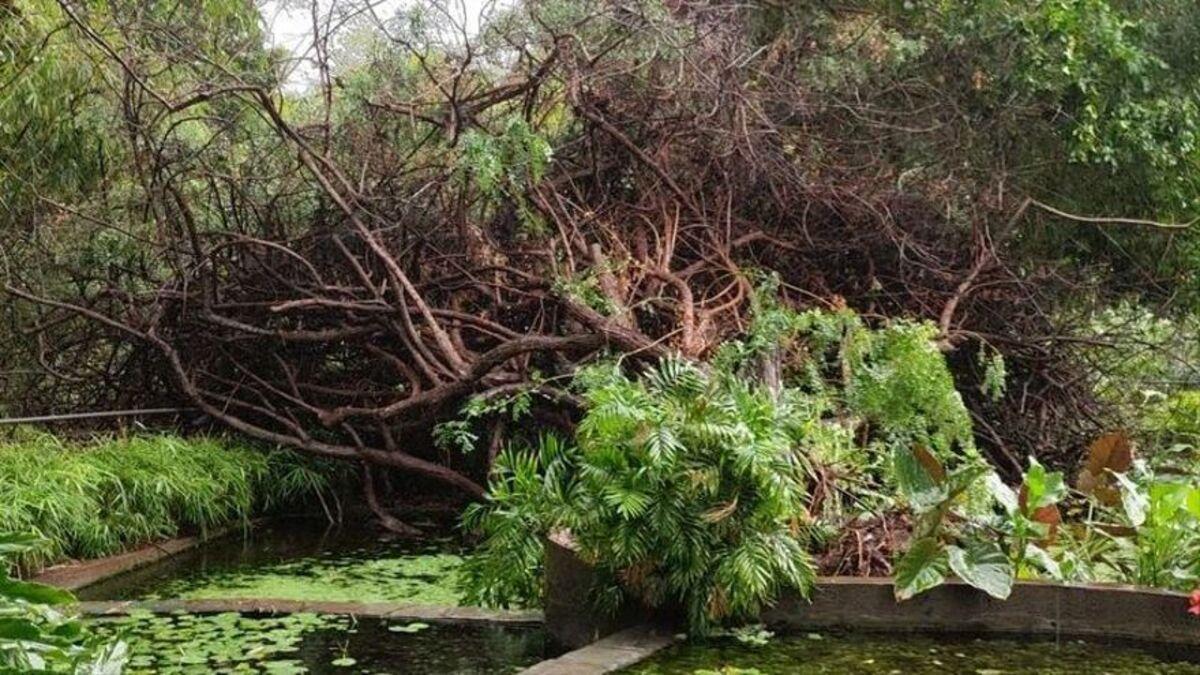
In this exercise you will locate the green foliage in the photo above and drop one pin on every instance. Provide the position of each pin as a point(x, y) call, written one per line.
point(1165, 514)
point(684, 487)
point(51, 143)
point(995, 374)
point(505, 165)
point(688, 485)
point(98, 499)
point(986, 548)
point(36, 635)
point(527, 489)
point(1101, 65)
point(459, 434)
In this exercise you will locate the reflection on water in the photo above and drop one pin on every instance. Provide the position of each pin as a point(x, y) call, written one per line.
point(910, 655)
point(310, 643)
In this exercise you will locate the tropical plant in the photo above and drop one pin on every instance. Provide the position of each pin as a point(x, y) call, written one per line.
point(1164, 512)
point(689, 484)
point(36, 635)
point(684, 487)
point(982, 547)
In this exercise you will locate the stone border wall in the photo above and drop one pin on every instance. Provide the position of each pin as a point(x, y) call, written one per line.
point(73, 576)
point(1035, 608)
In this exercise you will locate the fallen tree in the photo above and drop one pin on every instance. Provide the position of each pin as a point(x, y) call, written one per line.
point(447, 217)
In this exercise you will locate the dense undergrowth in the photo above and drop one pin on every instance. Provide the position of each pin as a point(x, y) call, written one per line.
point(707, 486)
point(98, 498)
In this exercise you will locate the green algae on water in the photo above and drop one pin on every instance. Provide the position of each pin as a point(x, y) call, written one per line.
point(301, 560)
point(428, 579)
point(313, 643)
point(907, 654)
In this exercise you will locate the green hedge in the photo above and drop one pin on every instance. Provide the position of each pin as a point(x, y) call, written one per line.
point(110, 494)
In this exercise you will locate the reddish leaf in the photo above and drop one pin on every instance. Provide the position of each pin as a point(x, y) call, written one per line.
point(1111, 453)
point(931, 464)
point(1049, 516)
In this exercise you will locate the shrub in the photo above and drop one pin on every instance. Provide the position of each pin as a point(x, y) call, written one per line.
point(689, 485)
point(683, 488)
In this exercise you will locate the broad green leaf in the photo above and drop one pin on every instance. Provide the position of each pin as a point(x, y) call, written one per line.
point(19, 629)
point(1134, 500)
point(1042, 558)
point(110, 661)
point(1193, 502)
point(1003, 494)
point(923, 567)
point(1167, 500)
point(34, 593)
point(1042, 488)
point(984, 566)
point(914, 480)
point(963, 478)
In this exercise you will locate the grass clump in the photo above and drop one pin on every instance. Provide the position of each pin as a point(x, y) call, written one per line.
point(102, 497)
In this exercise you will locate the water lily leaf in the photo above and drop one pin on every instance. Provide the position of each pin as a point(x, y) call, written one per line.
point(414, 627)
point(343, 662)
point(985, 566)
point(922, 567)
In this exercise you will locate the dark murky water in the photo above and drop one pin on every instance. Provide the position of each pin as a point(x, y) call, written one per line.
point(309, 561)
point(310, 643)
point(909, 655)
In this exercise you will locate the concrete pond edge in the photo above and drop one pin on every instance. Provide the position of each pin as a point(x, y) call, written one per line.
point(75, 575)
point(78, 574)
point(1101, 613)
point(610, 654)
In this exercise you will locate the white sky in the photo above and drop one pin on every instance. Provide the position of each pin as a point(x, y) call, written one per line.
point(289, 25)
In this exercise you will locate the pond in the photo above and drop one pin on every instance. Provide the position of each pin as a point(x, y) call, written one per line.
point(869, 654)
point(311, 643)
point(306, 560)
point(300, 559)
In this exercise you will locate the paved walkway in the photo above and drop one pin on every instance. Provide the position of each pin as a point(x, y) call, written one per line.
point(611, 654)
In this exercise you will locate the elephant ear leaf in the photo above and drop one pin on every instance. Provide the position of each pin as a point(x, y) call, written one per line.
point(984, 566)
point(923, 567)
point(919, 475)
point(1110, 454)
point(37, 594)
